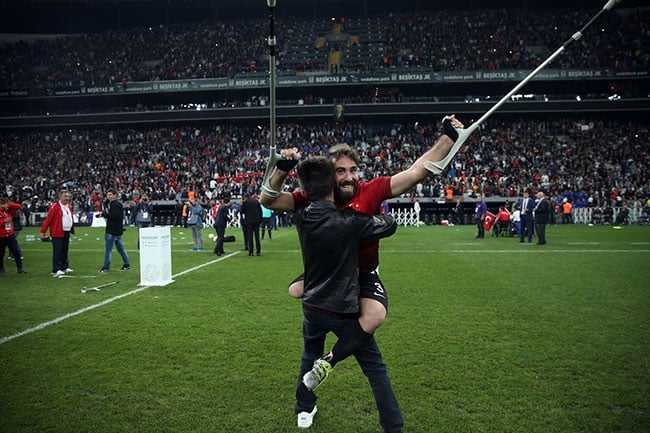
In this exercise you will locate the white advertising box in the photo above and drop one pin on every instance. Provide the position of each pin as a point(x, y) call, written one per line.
point(155, 256)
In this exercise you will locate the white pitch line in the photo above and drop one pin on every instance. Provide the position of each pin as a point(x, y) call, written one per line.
point(4, 340)
point(523, 251)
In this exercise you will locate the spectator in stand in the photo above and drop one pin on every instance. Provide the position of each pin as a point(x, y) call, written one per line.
point(60, 223)
point(53, 63)
point(193, 154)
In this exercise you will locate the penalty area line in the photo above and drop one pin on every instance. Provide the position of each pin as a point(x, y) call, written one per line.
point(43, 325)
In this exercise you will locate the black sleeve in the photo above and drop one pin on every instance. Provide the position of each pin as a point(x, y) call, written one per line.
point(369, 228)
point(115, 211)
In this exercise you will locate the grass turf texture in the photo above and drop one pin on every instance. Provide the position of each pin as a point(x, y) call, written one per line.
point(482, 336)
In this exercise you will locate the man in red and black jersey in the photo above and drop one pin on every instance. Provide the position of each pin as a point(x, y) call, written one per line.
point(365, 197)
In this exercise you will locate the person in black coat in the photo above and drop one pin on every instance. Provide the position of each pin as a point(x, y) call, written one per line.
point(542, 216)
point(251, 214)
point(220, 223)
point(114, 214)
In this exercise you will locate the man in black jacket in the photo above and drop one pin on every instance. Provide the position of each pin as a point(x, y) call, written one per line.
point(114, 214)
point(220, 223)
point(251, 216)
point(542, 214)
point(330, 249)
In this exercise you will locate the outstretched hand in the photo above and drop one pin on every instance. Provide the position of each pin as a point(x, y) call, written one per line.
point(449, 126)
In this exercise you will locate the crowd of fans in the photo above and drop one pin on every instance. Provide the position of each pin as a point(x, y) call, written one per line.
point(590, 163)
point(441, 39)
point(515, 39)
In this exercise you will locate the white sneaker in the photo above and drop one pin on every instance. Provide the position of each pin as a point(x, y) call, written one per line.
point(68, 270)
point(306, 419)
point(317, 374)
point(57, 274)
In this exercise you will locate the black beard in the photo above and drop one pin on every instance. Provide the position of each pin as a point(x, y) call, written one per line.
point(343, 198)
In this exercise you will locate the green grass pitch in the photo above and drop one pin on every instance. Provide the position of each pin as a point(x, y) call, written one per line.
point(482, 336)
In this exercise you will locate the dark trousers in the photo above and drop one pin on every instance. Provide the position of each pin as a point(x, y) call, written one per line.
point(60, 252)
point(221, 232)
point(244, 232)
point(253, 234)
point(481, 230)
point(12, 244)
point(526, 228)
point(315, 327)
point(11, 254)
point(541, 233)
point(266, 225)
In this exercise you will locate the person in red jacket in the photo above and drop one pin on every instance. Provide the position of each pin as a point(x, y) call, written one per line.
point(7, 238)
point(61, 225)
point(502, 223)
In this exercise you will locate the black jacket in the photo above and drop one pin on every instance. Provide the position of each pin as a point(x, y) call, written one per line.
point(252, 211)
point(543, 211)
point(114, 218)
point(223, 216)
point(330, 251)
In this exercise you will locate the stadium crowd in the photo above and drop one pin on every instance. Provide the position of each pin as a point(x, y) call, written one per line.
point(444, 40)
point(591, 163)
point(514, 39)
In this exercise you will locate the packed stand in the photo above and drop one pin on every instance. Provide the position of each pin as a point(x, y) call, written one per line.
point(590, 163)
point(444, 40)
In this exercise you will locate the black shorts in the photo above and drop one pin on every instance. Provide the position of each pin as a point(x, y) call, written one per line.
point(370, 286)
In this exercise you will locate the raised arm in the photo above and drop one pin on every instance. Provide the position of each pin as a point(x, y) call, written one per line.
point(407, 179)
point(284, 201)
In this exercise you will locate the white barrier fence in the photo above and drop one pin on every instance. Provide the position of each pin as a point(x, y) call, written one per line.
point(588, 215)
point(409, 217)
point(406, 217)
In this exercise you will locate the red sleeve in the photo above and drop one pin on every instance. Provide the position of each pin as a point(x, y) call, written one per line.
point(300, 199)
point(48, 220)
